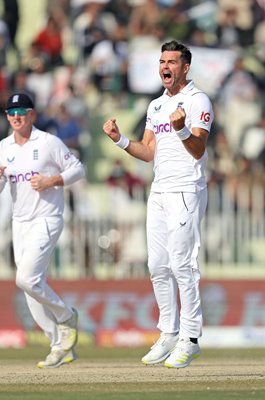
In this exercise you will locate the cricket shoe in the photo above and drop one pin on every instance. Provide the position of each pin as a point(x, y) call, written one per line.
point(160, 350)
point(69, 332)
point(184, 352)
point(56, 358)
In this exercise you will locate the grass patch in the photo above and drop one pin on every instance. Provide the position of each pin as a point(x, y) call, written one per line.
point(209, 395)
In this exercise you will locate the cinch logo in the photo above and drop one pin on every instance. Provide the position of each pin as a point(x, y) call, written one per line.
point(22, 177)
point(167, 127)
point(205, 116)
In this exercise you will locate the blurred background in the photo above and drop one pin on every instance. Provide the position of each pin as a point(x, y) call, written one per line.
point(84, 61)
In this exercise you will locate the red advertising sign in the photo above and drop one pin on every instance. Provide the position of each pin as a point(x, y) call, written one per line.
point(128, 307)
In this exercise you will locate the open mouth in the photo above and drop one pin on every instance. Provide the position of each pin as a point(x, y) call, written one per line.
point(167, 76)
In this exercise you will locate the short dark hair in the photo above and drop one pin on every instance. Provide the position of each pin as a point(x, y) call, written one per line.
point(177, 46)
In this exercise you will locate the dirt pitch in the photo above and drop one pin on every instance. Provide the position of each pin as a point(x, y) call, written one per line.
point(215, 370)
point(119, 371)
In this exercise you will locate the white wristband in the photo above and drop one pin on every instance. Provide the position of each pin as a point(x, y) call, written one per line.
point(184, 133)
point(123, 142)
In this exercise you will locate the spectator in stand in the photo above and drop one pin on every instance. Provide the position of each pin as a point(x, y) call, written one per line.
point(238, 100)
point(235, 25)
point(174, 18)
point(44, 120)
point(4, 90)
point(144, 17)
point(40, 78)
point(121, 9)
point(92, 25)
point(68, 129)
point(109, 62)
point(11, 17)
point(252, 145)
point(49, 42)
point(221, 160)
point(120, 177)
point(4, 43)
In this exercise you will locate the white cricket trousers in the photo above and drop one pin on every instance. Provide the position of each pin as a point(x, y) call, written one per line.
point(34, 243)
point(173, 241)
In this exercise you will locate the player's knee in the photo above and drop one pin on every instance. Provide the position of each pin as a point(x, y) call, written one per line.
point(184, 275)
point(159, 272)
point(25, 284)
point(156, 264)
point(153, 269)
point(22, 282)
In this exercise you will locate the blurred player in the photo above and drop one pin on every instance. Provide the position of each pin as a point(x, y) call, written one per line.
point(175, 137)
point(36, 166)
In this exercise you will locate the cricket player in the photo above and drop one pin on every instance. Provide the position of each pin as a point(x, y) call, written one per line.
point(36, 165)
point(177, 127)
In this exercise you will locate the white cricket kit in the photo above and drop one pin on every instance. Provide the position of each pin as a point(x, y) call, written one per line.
point(38, 220)
point(175, 169)
point(176, 205)
point(42, 154)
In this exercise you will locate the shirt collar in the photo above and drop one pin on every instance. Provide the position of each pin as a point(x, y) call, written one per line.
point(185, 90)
point(33, 136)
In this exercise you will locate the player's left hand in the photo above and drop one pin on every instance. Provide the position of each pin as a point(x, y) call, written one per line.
point(177, 119)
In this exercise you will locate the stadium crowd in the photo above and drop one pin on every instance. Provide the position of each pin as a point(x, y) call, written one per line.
point(91, 59)
point(92, 56)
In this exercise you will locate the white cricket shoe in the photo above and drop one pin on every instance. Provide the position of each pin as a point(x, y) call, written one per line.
point(69, 332)
point(160, 350)
point(57, 358)
point(185, 351)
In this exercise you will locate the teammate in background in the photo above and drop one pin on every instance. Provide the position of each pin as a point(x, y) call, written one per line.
point(36, 166)
point(175, 137)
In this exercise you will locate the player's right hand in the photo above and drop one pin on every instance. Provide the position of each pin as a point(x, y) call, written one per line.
point(111, 129)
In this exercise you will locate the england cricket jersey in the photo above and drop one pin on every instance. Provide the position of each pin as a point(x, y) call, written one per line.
point(175, 169)
point(43, 154)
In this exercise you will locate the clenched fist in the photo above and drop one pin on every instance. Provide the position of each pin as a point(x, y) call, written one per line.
point(111, 129)
point(177, 119)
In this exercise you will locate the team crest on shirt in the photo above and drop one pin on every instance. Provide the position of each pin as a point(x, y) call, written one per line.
point(158, 108)
point(35, 154)
point(180, 104)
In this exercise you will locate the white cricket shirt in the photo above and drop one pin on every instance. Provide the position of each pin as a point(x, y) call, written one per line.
point(42, 154)
point(175, 169)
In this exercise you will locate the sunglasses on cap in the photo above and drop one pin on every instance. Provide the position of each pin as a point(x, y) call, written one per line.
point(20, 111)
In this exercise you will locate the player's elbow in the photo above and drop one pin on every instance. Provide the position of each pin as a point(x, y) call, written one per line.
point(198, 152)
point(198, 155)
